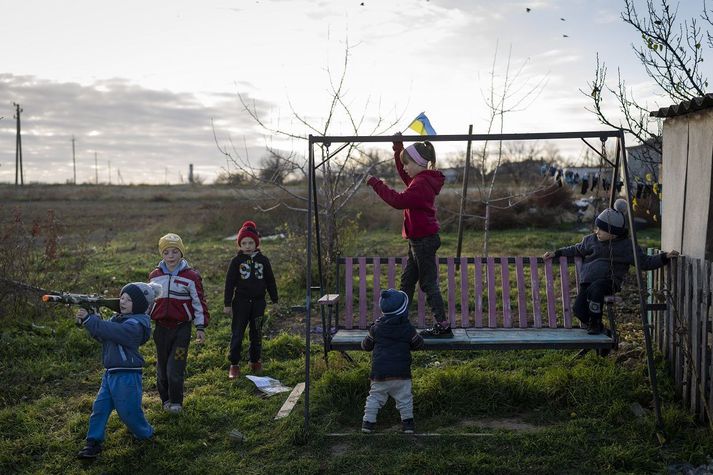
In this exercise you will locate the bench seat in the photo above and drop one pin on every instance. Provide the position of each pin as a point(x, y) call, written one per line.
point(493, 339)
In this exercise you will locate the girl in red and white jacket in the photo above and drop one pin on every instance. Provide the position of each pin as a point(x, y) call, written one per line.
point(181, 302)
point(416, 167)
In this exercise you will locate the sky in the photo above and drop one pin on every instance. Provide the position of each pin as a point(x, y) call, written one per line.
point(148, 87)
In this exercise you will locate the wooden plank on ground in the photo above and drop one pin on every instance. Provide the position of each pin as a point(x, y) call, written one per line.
point(291, 401)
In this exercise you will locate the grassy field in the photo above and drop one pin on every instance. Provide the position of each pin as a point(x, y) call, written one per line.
point(497, 412)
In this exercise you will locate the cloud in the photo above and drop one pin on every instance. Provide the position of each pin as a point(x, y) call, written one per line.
point(148, 135)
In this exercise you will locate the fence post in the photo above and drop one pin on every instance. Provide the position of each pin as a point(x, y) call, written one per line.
point(694, 334)
point(704, 355)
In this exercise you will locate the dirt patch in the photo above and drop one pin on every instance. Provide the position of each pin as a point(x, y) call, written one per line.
point(339, 449)
point(511, 424)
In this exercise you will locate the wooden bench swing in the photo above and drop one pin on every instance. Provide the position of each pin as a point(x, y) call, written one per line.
point(487, 308)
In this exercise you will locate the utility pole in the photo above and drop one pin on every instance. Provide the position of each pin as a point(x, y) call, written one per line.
point(119, 178)
point(18, 149)
point(190, 173)
point(96, 169)
point(109, 162)
point(74, 162)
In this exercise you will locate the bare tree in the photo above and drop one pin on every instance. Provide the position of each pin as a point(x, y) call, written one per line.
point(340, 174)
point(671, 52)
point(510, 93)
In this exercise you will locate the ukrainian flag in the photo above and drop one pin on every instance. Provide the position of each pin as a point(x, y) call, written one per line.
point(422, 125)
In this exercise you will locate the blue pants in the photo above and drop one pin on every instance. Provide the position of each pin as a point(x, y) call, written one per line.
point(122, 391)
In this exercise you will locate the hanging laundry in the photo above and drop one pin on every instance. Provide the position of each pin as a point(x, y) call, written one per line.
point(585, 183)
point(569, 177)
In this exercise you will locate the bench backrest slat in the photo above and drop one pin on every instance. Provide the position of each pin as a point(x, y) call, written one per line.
point(505, 287)
point(464, 306)
point(550, 286)
point(450, 265)
point(391, 263)
point(478, 295)
point(377, 286)
point(535, 282)
point(521, 297)
point(564, 287)
point(362, 291)
point(521, 281)
point(492, 296)
point(348, 288)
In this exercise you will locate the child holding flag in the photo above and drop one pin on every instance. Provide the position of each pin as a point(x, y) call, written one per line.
point(416, 167)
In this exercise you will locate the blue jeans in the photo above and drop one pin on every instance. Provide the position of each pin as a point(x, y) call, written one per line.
point(421, 267)
point(120, 390)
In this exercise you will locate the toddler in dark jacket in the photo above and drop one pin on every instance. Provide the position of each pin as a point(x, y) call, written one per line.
point(391, 338)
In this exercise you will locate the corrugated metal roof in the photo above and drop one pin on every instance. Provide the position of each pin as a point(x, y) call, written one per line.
point(685, 107)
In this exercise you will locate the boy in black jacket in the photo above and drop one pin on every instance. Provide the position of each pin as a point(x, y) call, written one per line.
point(392, 337)
point(249, 277)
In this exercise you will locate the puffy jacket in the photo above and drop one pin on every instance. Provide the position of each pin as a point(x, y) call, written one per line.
point(249, 276)
point(609, 259)
point(182, 299)
point(391, 338)
point(417, 200)
point(121, 337)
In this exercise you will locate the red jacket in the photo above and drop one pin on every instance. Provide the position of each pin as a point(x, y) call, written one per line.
point(417, 200)
point(181, 299)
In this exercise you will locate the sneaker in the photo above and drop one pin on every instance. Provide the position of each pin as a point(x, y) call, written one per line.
point(368, 427)
point(255, 367)
point(175, 408)
point(408, 426)
point(167, 406)
point(595, 327)
point(234, 371)
point(437, 331)
point(91, 450)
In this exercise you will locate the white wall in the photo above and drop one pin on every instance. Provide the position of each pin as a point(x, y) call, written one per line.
point(686, 214)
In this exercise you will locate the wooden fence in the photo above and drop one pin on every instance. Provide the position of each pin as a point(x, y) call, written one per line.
point(680, 296)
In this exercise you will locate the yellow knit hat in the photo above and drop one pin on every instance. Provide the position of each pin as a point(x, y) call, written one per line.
point(171, 240)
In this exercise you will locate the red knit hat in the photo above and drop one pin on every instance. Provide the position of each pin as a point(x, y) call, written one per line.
point(249, 229)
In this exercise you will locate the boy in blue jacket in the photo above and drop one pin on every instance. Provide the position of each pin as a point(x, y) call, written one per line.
point(391, 337)
point(121, 388)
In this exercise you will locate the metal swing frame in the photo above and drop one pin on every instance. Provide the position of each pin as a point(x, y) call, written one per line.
point(620, 164)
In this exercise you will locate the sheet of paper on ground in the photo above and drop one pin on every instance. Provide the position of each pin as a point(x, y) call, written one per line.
point(268, 386)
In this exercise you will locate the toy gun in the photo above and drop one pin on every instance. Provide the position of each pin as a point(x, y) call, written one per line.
point(89, 302)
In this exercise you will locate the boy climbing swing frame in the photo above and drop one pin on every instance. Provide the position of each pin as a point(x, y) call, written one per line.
point(620, 165)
